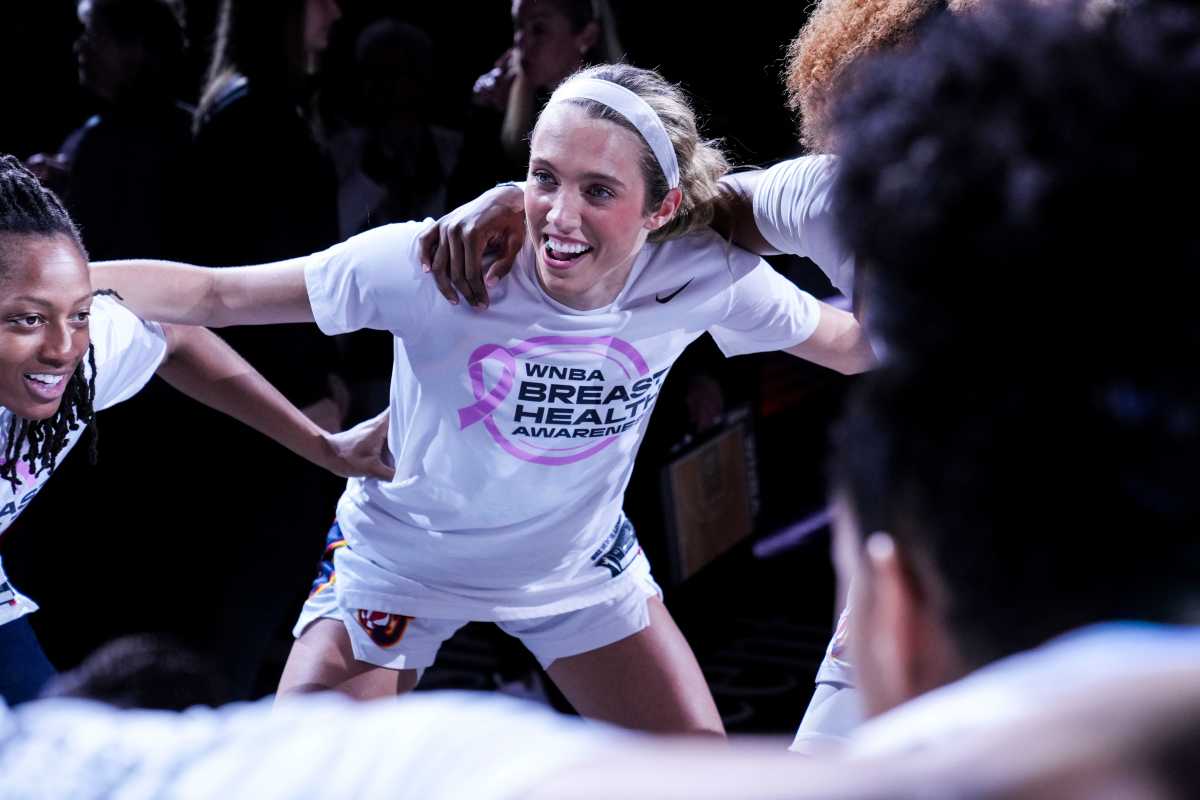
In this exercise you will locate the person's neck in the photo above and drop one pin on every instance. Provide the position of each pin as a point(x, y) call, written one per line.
point(600, 294)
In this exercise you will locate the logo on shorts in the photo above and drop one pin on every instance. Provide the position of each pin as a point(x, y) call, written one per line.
point(619, 548)
point(384, 629)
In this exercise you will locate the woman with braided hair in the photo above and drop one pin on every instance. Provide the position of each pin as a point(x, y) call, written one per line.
point(67, 351)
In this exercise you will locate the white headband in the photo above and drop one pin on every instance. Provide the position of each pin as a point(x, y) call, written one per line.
point(632, 108)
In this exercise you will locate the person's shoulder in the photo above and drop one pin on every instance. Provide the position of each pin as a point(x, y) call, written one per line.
point(704, 252)
point(700, 267)
point(704, 244)
point(1079, 660)
point(393, 246)
point(114, 328)
point(791, 187)
point(107, 312)
point(233, 97)
point(394, 236)
point(238, 109)
point(811, 167)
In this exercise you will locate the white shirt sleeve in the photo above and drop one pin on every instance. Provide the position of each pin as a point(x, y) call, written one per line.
point(373, 280)
point(128, 351)
point(793, 209)
point(766, 310)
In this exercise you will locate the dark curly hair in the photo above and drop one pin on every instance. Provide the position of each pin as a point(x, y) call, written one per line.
point(1033, 439)
point(1028, 148)
point(835, 36)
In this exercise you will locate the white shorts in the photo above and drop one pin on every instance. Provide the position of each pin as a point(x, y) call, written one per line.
point(396, 641)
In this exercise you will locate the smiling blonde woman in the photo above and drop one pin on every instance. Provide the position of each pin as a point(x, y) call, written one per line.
point(514, 432)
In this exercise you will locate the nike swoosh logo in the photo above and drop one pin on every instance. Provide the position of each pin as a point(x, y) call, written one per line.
point(671, 296)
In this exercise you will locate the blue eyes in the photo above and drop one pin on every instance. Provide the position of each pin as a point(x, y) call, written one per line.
point(595, 191)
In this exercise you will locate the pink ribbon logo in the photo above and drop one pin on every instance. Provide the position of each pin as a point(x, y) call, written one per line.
point(487, 401)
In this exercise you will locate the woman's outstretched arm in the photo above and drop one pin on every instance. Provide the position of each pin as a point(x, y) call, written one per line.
point(168, 291)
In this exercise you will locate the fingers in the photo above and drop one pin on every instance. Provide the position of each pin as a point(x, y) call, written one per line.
point(380, 468)
point(499, 269)
point(427, 244)
point(440, 267)
point(457, 266)
point(450, 252)
point(503, 264)
point(473, 250)
point(382, 471)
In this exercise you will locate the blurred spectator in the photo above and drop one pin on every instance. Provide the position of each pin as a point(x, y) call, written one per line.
point(144, 671)
point(263, 189)
point(121, 174)
point(392, 161)
point(551, 40)
point(393, 165)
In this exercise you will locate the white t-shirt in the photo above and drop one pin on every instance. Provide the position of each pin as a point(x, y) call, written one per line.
point(793, 209)
point(1024, 684)
point(435, 746)
point(128, 351)
point(514, 429)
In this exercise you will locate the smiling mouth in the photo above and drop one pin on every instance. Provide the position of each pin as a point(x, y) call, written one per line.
point(563, 251)
point(46, 387)
point(45, 378)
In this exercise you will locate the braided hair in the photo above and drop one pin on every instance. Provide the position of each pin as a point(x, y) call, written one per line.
point(29, 209)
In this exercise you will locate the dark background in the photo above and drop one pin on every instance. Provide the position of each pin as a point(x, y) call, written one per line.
point(759, 626)
point(729, 59)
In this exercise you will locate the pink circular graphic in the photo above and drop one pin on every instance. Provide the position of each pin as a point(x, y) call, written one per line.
point(487, 401)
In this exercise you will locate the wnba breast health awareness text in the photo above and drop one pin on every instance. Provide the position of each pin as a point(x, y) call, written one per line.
point(574, 395)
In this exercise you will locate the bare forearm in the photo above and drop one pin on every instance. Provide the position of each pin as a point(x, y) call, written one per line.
point(204, 367)
point(735, 213)
point(165, 291)
point(839, 343)
point(183, 294)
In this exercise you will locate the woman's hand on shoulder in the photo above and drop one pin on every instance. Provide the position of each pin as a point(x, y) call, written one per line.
point(473, 247)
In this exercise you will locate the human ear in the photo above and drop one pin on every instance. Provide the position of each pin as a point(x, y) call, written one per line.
point(896, 623)
point(666, 210)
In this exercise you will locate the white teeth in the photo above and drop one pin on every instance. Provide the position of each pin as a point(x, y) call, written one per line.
point(49, 380)
point(570, 248)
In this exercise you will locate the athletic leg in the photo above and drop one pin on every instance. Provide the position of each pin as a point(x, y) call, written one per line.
point(648, 681)
point(322, 660)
